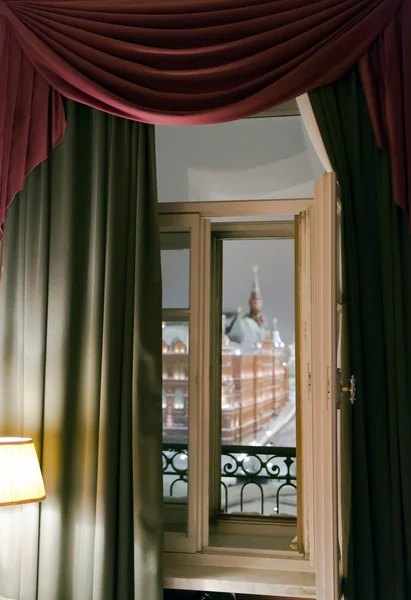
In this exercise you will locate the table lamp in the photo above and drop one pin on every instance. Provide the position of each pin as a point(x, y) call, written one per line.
point(21, 481)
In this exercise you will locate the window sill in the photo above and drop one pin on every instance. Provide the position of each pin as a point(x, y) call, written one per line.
point(289, 584)
point(288, 575)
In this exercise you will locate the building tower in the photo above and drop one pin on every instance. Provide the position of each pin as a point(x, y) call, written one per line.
point(255, 302)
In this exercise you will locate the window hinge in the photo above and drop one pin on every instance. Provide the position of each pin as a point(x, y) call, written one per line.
point(309, 383)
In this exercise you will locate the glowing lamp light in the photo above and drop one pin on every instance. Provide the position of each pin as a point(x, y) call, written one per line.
point(21, 481)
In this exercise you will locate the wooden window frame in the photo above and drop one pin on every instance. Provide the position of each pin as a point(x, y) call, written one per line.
point(273, 572)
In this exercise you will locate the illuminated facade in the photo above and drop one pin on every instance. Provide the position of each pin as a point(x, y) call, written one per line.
point(255, 377)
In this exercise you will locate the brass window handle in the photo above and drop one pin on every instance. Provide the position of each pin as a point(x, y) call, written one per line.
point(351, 389)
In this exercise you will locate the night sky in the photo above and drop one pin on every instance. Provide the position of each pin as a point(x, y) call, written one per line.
point(275, 260)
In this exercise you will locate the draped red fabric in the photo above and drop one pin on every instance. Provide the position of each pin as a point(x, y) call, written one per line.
point(386, 74)
point(166, 62)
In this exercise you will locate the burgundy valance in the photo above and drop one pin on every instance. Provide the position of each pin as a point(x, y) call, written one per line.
point(186, 62)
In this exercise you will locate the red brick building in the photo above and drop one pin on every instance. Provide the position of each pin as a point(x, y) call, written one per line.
point(255, 377)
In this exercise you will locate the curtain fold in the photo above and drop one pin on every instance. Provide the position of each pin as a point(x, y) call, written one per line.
point(80, 366)
point(173, 62)
point(378, 278)
point(386, 77)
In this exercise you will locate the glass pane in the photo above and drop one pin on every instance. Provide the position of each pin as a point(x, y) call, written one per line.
point(175, 266)
point(175, 382)
point(175, 422)
point(258, 432)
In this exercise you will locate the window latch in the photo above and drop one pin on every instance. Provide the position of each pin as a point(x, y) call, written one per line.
point(341, 389)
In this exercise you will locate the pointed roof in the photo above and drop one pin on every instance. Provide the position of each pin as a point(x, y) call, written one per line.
point(278, 342)
point(256, 283)
point(255, 302)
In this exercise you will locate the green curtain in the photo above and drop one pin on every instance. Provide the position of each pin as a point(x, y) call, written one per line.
point(377, 249)
point(80, 367)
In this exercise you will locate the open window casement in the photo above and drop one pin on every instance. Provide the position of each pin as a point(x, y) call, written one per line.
point(200, 537)
point(333, 394)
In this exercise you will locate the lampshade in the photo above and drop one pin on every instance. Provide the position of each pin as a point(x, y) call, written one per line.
point(20, 476)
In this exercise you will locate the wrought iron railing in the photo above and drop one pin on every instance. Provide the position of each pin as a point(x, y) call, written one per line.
point(175, 464)
point(258, 479)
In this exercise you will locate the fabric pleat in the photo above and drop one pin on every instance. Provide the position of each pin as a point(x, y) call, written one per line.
point(179, 63)
point(80, 366)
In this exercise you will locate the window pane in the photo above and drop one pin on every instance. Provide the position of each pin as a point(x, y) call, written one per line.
point(175, 266)
point(258, 435)
point(175, 422)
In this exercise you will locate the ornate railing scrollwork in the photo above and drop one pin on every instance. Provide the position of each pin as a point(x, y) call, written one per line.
point(258, 479)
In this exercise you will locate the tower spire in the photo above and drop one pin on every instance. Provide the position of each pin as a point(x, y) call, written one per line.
point(256, 283)
point(255, 302)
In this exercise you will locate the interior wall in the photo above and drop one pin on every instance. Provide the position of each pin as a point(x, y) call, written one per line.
point(260, 158)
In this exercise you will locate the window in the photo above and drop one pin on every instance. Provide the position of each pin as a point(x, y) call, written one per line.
point(258, 434)
point(245, 345)
point(179, 400)
point(233, 395)
point(180, 269)
point(253, 474)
